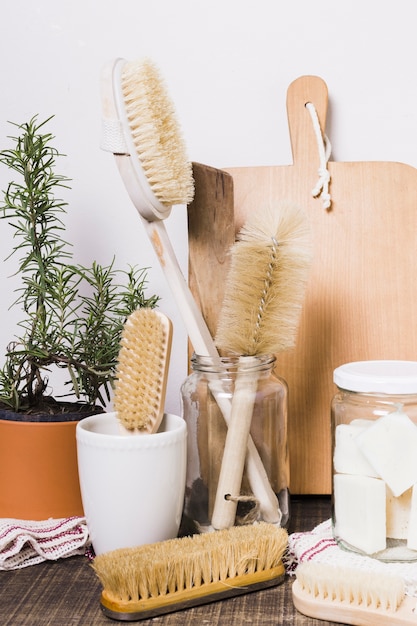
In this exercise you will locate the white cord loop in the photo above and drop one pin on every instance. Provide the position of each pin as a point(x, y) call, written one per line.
point(321, 188)
point(251, 515)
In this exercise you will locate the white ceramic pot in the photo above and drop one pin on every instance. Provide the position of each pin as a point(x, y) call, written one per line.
point(132, 487)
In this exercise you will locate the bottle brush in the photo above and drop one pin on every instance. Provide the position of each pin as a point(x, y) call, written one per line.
point(260, 313)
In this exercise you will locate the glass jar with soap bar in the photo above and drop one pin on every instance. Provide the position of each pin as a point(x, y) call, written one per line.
point(374, 447)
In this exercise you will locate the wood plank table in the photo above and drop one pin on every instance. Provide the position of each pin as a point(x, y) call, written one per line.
point(66, 592)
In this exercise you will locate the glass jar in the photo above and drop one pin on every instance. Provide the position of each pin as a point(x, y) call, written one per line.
point(374, 442)
point(207, 396)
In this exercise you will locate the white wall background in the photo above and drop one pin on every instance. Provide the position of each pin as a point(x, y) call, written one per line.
point(227, 64)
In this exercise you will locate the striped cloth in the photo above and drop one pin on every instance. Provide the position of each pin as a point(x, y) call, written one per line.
point(24, 543)
point(318, 545)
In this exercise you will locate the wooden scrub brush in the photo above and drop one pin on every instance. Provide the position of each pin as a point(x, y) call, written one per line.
point(142, 371)
point(155, 579)
point(352, 596)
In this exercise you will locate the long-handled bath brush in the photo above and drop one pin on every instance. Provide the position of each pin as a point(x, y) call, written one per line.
point(352, 596)
point(143, 582)
point(142, 371)
point(140, 129)
point(264, 293)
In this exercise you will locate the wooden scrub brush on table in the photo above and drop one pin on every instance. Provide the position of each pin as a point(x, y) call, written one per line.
point(348, 595)
point(143, 582)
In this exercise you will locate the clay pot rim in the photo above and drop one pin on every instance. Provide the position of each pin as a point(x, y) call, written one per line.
point(72, 412)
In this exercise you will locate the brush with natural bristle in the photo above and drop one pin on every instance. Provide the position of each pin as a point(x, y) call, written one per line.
point(352, 596)
point(260, 313)
point(142, 371)
point(155, 133)
point(266, 283)
point(151, 580)
point(140, 128)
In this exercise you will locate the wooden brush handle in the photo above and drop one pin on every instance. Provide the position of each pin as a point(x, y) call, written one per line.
point(234, 454)
point(255, 470)
point(198, 332)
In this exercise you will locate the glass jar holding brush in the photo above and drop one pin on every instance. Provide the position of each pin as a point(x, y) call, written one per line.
point(208, 397)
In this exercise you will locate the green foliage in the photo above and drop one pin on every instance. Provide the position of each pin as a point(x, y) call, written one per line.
point(74, 315)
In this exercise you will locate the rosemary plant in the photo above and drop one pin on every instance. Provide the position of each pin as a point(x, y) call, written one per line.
point(73, 315)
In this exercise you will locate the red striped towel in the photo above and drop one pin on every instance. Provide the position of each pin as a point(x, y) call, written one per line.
point(24, 543)
point(319, 545)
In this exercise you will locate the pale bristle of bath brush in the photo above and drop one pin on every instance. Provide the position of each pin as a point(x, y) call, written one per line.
point(156, 134)
point(142, 370)
point(266, 283)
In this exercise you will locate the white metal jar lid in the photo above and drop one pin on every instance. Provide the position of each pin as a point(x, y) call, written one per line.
point(389, 377)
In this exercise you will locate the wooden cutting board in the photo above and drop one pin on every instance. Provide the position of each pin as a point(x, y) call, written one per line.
point(361, 300)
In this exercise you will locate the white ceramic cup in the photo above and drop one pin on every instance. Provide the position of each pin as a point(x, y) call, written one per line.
point(132, 486)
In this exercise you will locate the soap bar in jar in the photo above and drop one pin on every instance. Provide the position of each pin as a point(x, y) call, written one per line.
point(390, 447)
point(360, 510)
point(374, 424)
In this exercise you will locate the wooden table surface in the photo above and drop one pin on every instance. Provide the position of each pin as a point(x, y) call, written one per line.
point(67, 592)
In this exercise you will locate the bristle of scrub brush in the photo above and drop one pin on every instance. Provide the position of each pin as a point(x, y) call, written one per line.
point(142, 370)
point(156, 133)
point(266, 282)
point(353, 595)
point(356, 587)
point(131, 575)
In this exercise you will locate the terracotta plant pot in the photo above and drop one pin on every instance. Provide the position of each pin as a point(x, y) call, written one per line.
point(38, 468)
